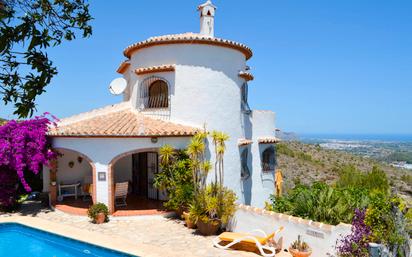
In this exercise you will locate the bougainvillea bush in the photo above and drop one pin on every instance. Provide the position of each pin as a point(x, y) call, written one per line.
point(23, 148)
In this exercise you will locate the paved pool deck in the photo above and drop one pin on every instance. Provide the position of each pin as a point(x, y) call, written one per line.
point(145, 236)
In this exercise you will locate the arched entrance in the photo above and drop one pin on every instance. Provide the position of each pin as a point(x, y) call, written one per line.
point(135, 170)
point(73, 178)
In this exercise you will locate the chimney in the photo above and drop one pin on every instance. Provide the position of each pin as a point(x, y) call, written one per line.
point(207, 18)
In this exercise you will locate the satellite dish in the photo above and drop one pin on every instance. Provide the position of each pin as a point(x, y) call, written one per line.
point(118, 86)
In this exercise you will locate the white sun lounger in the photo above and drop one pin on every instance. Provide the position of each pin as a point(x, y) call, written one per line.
point(247, 241)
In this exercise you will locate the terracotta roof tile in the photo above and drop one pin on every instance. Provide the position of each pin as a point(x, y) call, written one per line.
point(244, 141)
point(246, 75)
point(123, 66)
point(160, 68)
point(188, 38)
point(268, 140)
point(118, 121)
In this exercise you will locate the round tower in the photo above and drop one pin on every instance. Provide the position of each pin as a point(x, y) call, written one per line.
point(198, 80)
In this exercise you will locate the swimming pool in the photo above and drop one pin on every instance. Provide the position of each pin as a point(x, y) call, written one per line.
point(18, 240)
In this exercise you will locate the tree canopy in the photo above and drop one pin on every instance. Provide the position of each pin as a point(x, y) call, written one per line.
point(24, 147)
point(28, 28)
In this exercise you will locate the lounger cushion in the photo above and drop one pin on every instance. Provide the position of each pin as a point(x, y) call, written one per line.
point(231, 236)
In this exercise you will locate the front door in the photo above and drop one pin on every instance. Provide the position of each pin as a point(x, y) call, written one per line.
point(145, 167)
point(153, 193)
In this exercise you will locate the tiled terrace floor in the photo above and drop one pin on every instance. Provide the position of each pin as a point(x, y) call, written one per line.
point(168, 235)
point(135, 206)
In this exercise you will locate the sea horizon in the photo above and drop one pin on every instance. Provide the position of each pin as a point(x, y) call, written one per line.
point(356, 137)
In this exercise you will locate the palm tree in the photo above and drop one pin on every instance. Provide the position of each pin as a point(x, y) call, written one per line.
point(219, 139)
point(215, 137)
point(196, 152)
point(167, 153)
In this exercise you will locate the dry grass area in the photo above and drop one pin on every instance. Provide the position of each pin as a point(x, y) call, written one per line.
point(308, 163)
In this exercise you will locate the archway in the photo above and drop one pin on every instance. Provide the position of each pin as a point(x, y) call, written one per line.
point(74, 179)
point(135, 170)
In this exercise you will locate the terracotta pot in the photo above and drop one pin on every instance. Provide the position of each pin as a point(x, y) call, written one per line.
point(210, 228)
point(189, 222)
point(297, 253)
point(179, 212)
point(100, 218)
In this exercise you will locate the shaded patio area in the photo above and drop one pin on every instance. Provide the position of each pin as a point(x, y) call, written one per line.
point(135, 206)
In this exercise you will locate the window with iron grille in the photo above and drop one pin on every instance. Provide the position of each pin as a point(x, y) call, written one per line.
point(244, 100)
point(268, 159)
point(244, 173)
point(154, 93)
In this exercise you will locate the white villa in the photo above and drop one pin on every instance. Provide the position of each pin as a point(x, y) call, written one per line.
point(177, 85)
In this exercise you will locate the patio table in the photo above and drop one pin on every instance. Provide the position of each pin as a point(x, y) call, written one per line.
point(68, 186)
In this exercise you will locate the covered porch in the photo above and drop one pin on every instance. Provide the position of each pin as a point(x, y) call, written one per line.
point(136, 206)
point(74, 179)
point(110, 156)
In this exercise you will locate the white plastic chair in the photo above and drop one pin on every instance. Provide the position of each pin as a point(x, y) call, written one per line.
point(120, 192)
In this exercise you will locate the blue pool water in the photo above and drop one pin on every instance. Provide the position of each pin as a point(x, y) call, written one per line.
point(21, 241)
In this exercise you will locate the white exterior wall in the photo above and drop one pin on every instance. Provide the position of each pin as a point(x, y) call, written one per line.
point(103, 150)
point(123, 169)
point(320, 237)
point(205, 90)
point(263, 125)
point(80, 172)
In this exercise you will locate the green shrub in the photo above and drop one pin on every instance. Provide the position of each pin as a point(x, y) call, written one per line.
point(207, 207)
point(175, 178)
point(376, 179)
point(406, 178)
point(408, 217)
point(353, 190)
point(386, 220)
point(321, 202)
point(96, 209)
point(304, 156)
point(285, 150)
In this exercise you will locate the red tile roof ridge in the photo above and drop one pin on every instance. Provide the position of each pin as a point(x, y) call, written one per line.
point(187, 37)
point(95, 112)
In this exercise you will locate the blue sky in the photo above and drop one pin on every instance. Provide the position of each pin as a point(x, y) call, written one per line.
point(323, 66)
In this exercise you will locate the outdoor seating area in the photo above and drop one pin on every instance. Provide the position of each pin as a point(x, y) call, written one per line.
point(136, 206)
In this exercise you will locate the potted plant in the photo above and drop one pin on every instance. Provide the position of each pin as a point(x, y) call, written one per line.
point(188, 220)
point(98, 213)
point(210, 210)
point(213, 204)
point(175, 178)
point(299, 248)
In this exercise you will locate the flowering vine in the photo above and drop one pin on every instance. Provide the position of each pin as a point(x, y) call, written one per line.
point(24, 147)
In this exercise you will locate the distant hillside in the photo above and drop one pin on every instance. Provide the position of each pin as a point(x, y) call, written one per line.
point(308, 163)
point(2, 121)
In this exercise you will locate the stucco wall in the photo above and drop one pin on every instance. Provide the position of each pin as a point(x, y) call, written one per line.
point(205, 91)
point(80, 172)
point(103, 150)
point(123, 169)
point(263, 125)
point(320, 237)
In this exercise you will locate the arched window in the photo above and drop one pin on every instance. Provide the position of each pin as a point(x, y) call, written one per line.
point(244, 101)
point(154, 93)
point(158, 95)
point(268, 159)
point(244, 173)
